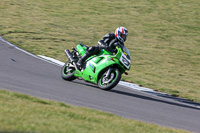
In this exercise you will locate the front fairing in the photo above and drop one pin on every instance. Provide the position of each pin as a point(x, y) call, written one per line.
point(123, 55)
point(100, 62)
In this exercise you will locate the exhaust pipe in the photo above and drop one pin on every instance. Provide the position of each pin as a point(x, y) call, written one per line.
point(67, 52)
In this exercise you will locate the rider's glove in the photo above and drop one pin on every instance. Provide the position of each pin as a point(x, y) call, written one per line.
point(116, 44)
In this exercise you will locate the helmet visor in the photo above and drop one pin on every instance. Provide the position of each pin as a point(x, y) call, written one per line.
point(124, 36)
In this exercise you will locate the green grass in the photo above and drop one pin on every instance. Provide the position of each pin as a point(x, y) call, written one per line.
point(163, 35)
point(24, 114)
point(163, 41)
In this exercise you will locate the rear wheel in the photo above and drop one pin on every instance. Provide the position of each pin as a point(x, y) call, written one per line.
point(107, 83)
point(67, 72)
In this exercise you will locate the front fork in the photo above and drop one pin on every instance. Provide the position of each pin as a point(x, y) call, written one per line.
point(108, 77)
point(108, 73)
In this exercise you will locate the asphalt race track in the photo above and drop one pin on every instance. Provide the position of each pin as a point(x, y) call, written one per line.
point(21, 72)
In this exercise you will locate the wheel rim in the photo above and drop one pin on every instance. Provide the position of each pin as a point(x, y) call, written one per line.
point(68, 70)
point(105, 82)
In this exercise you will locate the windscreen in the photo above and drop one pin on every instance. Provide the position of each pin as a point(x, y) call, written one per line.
point(126, 51)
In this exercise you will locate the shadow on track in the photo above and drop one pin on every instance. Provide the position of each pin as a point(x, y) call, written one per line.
point(153, 99)
point(138, 96)
point(85, 83)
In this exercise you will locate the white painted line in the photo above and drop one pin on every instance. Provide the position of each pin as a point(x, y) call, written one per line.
point(28, 53)
point(52, 60)
point(7, 42)
point(138, 87)
point(130, 85)
point(126, 84)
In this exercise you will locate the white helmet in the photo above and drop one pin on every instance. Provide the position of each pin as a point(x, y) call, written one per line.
point(121, 33)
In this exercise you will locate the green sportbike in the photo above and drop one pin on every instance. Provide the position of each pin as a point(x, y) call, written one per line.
point(104, 69)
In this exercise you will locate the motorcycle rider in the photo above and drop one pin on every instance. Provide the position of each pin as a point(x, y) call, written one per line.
point(109, 43)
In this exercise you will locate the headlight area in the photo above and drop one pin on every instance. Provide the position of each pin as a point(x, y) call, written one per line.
point(125, 61)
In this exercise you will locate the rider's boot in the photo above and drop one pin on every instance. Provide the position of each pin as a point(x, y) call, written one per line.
point(81, 61)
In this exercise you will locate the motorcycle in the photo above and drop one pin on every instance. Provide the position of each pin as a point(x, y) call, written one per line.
point(104, 69)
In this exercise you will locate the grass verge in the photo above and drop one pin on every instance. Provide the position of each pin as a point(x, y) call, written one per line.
point(25, 114)
point(163, 35)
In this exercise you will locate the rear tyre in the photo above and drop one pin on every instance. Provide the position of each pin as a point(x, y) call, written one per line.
point(67, 72)
point(108, 83)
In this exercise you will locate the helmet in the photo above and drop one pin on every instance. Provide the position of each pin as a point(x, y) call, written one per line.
point(121, 33)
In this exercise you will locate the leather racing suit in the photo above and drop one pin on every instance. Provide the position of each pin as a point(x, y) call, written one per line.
point(108, 43)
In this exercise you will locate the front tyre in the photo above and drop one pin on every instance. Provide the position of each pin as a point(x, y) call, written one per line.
point(67, 72)
point(105, 83)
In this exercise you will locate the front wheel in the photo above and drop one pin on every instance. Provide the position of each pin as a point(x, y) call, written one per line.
point(67, 72)
point(107, 83)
